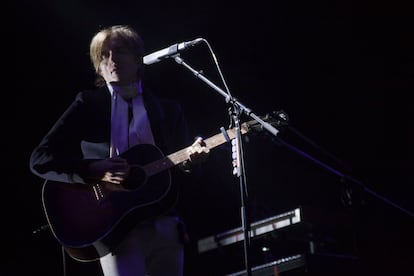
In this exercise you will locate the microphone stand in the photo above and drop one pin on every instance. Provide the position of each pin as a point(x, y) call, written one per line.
point(236, 110)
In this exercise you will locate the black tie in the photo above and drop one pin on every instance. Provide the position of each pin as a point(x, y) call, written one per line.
point(130, 113)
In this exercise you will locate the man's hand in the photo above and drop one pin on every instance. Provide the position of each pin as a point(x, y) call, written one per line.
point(198, 151)
point(111, 170)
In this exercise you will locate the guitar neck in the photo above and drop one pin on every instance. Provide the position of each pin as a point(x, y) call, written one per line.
point(180, 156)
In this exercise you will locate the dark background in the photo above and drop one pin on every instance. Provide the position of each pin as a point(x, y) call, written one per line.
point(342, 70)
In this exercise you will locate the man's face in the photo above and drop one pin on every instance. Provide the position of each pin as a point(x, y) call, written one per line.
point(118, 64)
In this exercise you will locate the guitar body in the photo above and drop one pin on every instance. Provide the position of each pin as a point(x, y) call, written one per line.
point(90, 220)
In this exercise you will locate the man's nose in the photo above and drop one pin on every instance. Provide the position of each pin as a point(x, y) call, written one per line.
point(113, 56)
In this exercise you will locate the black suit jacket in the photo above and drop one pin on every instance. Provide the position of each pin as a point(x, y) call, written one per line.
point(82, 134)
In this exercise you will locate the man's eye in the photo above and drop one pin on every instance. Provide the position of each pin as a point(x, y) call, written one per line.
point(106, 54)
point(121, 51)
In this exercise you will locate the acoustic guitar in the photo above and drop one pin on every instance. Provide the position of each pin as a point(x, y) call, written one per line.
point(90, 220)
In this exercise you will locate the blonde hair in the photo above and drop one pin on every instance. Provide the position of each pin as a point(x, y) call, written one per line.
point(126, 34)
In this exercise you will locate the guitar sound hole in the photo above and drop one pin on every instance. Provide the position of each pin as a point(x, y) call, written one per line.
point(135, 178)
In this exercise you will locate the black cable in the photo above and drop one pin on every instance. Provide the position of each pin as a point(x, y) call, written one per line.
point(64, 261)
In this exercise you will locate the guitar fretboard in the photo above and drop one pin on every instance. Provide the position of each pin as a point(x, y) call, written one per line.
point(182, 155)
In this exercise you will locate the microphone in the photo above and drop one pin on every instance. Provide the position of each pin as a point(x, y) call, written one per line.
point(169, 51)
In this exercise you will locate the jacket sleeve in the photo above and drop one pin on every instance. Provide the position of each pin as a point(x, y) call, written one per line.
point(58, 156)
